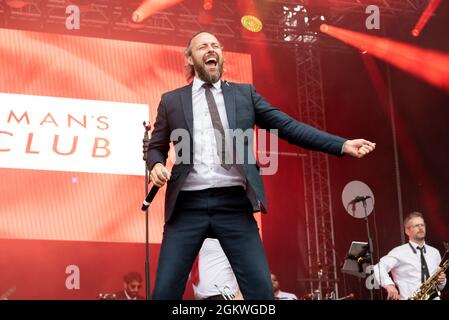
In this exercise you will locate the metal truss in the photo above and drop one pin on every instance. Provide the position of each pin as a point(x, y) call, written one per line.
point(387, 6)
point(321, 259)
point(113, 18)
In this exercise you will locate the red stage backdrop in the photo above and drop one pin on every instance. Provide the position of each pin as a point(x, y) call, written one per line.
point(71, 168)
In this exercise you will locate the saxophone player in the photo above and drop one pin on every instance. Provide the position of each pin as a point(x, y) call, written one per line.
point(409, 264)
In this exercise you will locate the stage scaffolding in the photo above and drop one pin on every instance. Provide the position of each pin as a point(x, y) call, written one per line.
point(321, 260)
point(112, 18)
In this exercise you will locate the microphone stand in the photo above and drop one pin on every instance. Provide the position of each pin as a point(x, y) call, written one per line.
point(147, 251)
point(370, 243)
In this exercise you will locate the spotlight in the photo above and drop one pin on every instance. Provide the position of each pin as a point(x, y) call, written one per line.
point(251, 23)
point(137, 16)
point(301, 24)
point(149, 7)
point(208, 4)
point(432, 6)
point(324, 27)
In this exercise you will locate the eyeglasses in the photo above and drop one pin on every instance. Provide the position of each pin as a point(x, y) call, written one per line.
point(419, 225)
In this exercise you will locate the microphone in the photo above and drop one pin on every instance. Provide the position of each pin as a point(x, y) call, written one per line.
point(150, 196)
point(358, 199)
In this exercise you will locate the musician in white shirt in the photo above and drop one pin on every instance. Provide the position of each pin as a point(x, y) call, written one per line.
point(278, 293)
point(404, 262)
point(216, 279)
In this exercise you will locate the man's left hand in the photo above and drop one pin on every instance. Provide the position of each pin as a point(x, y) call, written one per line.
point(358, 147)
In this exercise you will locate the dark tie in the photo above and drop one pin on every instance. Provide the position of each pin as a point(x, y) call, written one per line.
point(424, 269)
point(218, 126)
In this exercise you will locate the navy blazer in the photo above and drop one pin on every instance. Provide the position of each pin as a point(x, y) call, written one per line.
point(245, 108)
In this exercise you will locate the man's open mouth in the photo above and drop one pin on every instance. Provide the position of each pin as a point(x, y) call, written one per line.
point(211, 61)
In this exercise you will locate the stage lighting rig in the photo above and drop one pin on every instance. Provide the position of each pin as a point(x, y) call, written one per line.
point(300, 24)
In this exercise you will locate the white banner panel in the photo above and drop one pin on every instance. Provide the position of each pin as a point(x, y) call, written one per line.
point(61, 134)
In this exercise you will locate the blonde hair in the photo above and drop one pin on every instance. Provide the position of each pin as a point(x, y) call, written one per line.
point(411, 215)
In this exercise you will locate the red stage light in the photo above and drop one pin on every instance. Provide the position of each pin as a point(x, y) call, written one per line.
point(415, 32)
point(429, 65)
point(150, 7)
point(324, 28)
point(208, 4)
point(428, 11)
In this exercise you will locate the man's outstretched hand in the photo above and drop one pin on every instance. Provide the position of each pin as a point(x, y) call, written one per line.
point(358, 147)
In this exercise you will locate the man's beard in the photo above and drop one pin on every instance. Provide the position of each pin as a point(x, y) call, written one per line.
point(206, 77)
point(420, 237)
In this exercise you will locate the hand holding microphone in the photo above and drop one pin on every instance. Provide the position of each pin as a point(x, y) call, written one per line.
point(159, 176)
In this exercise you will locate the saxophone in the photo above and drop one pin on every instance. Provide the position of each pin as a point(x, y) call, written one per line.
point(226, 293)
point(430, 285)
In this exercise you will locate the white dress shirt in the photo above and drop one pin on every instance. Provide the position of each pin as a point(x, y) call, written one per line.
point(214, 269)
point(282, 295)
point(128, 296)
point(207, 171)
point(404, 264)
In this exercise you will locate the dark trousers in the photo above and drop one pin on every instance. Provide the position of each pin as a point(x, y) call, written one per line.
point(223, 213)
